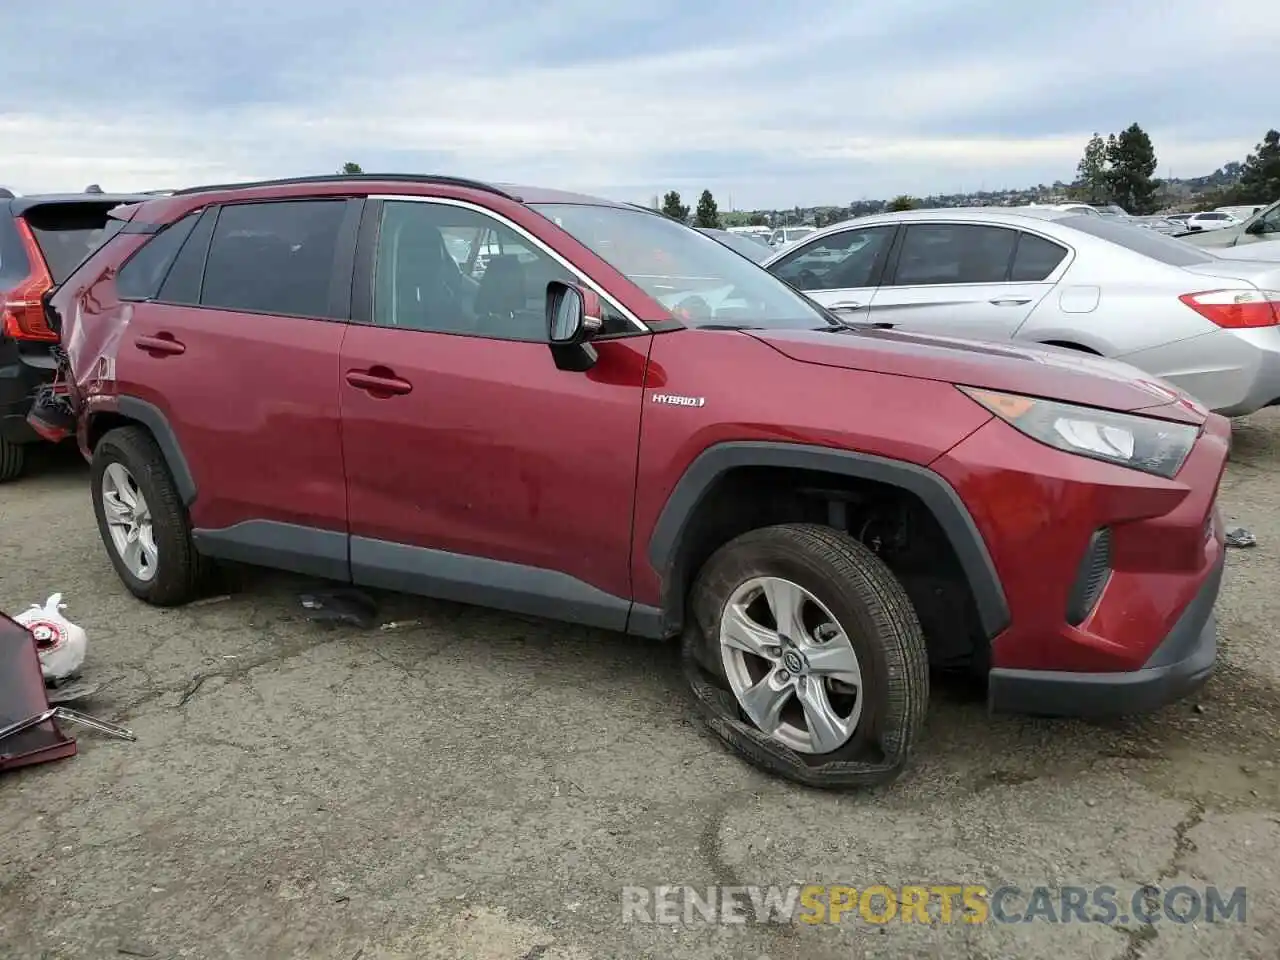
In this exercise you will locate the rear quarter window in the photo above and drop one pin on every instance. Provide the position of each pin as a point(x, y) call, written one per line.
point(144, 272)
point(1148, 243)
point(1035, 259)
point(13, 261)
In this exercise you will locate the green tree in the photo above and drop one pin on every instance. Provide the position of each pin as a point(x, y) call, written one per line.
point(901, 202)
point(1091, 171)
point(673, 208)
point(759, 220)
point(707, 215)
point(1260, 177)
point(350, 169)
point(1132, 162)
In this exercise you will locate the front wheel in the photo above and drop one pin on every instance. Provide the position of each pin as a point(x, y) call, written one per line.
point(806, 656)
point(13, 457)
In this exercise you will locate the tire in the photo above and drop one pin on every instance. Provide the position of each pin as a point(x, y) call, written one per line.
point(13, 457)
point(179, 572)
point(857, 591)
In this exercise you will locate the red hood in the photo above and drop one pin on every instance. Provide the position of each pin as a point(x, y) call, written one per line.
point(1049, 372)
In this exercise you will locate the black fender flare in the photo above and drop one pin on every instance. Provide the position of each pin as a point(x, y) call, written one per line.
point(151, 417)
point(935, 492)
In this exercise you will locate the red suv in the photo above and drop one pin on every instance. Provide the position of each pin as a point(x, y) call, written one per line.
point(42, 240)
point(564, 406)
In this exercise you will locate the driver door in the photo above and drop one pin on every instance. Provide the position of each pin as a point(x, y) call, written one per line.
point(840, 270)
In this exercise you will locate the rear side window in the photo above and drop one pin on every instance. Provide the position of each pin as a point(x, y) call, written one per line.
point(13, 261)
point(275, 257)
point(937, 253)
point(67, 233)
point(1036, 259)
point(1148, 243)
point(143, 273)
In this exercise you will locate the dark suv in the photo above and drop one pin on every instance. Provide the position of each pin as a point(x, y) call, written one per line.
point(615, 420)
point(42, 239)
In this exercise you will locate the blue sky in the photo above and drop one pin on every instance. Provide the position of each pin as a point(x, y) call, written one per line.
point(765, 102)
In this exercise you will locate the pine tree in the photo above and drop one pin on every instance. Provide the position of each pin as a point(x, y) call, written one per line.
point(673, 208)
point(707, 214)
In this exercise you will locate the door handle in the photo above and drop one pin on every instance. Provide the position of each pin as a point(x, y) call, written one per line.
point(845, 306)
point(379, 382)
point(161, 345)
point(1009, 301)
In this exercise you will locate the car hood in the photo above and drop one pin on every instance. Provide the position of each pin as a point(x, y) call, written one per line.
point(1261, 250)
point(1222, 237)
point(1050, 372)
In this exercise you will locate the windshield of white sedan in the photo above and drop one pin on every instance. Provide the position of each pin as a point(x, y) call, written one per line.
point(696, 278)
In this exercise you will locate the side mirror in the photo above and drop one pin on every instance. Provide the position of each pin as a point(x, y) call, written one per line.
point(574, 316)
point(1258, 226)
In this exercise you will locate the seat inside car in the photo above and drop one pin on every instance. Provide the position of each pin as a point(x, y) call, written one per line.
point(501, 301)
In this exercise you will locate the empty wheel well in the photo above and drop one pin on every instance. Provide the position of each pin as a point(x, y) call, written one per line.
point(103, 423)
point(892, 521)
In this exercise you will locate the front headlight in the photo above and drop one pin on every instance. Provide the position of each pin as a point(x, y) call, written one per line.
point(1142, 443)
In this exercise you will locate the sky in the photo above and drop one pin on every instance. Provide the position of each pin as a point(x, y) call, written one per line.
point(767, 103)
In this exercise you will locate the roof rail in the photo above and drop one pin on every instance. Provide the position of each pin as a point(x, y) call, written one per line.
point(354, 178)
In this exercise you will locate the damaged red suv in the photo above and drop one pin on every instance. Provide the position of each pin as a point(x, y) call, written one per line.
point(564, 406)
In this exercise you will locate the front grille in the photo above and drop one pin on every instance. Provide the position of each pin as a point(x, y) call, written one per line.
point(1094, 570)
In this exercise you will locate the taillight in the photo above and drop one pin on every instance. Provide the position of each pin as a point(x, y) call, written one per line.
point(1236, 309)
point(23, 315)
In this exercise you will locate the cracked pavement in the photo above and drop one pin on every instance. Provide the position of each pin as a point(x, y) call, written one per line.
point(472, 784)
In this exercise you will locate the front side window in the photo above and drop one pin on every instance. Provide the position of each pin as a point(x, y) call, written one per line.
point(694, 277)
point(275, 257)
point(1270, 220)
point(940, 253)
point(837, 261)
point(450, 269)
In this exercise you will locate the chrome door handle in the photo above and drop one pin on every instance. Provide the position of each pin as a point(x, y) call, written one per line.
point(1009, 301)
point(845, 306)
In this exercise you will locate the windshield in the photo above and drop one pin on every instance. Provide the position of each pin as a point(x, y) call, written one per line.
point(697, 279)
point(1157, 246)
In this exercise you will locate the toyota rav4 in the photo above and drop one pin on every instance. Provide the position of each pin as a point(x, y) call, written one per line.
point(579, 409)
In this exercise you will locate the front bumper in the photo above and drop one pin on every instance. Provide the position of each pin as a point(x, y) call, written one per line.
point(23, 370)
point(1179, 666)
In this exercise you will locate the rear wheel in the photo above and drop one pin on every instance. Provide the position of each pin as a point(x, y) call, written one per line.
point(13, 457)
point(806, 656)
point(142, 520)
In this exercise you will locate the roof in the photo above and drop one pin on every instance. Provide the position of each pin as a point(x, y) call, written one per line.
point(20, 205)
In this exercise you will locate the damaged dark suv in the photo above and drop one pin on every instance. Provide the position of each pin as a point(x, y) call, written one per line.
point(563, 406)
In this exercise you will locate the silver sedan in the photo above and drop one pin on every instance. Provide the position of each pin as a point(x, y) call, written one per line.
point(1206, 324)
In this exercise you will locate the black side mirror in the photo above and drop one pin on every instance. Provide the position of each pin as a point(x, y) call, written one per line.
point(574, 316)
point(1258, 227)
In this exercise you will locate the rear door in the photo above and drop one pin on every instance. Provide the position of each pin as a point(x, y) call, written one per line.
point(839, 270)
point(235, 343)
point(977, 281)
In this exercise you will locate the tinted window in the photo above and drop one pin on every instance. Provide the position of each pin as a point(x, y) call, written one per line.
point(838, 260)
point(1271, 220)
point(1148, 243)
point(67, 233)
point(454, 270)
point(954, 253)
point(182, 285)
point(273, 257)
point(1036, 259)
point(695, 278)
point(13, 262)
point(143, 273)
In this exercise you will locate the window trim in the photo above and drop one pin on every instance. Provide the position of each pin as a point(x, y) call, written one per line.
point(369, 265)
point(1053, 277)
point(878, 270)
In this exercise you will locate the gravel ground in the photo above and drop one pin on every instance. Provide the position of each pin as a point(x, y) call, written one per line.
point(474, 785)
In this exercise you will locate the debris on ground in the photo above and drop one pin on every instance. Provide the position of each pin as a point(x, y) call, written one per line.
point(340, 605)
point(61, 644)
point(1240, 537)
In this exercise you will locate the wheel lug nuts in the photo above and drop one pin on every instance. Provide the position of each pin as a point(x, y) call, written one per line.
point(784, 676)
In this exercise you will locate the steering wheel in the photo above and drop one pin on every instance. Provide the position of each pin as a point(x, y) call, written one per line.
point(693, 307)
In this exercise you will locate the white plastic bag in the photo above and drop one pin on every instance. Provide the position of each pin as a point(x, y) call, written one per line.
point(60, 643)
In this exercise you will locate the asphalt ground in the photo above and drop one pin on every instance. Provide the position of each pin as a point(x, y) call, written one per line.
point(456, 782)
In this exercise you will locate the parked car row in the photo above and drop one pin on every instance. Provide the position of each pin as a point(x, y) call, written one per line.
point(623, 423)
point(1054, 277)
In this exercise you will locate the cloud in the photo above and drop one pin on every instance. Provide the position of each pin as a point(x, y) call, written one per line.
point(771, 103)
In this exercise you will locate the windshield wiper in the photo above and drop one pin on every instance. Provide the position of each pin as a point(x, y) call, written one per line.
point(729, 326)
